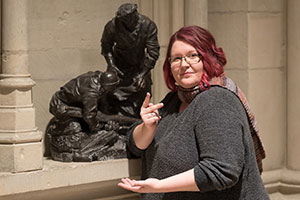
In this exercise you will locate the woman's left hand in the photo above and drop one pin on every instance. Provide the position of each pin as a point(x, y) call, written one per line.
point(150, 185)
point(184, 181)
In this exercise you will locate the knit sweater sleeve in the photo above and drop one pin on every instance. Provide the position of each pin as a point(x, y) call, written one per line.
point(219, 134)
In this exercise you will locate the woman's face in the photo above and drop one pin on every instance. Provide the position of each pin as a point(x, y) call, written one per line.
point(186, 74)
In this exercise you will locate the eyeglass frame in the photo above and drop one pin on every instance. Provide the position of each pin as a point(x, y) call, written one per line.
point(186, 59)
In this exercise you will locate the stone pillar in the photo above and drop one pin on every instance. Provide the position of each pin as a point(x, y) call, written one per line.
point(267, 77)
point(20, 141)
point(196, 13)
point(293, 86)
point(159, 12)
point(256, 62)
point(169, 16)
point(177, 9)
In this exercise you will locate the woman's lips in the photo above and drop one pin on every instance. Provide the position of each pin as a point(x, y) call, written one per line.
point(186, 74)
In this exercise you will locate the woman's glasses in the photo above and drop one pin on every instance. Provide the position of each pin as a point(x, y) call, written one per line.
point(192, 58)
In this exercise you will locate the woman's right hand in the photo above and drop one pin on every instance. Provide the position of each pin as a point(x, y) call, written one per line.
point(149, 112)
point(144, 133)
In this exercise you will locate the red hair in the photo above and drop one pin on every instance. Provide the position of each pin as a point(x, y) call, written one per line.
point(213, 58)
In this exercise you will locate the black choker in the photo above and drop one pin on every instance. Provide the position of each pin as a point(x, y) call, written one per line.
point(186, 95)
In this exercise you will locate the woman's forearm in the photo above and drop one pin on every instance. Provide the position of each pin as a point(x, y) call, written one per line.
point(178, 183)
point(181, 182)
point(143, 135)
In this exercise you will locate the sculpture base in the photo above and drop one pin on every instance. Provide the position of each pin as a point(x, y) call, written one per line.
point(69, 142)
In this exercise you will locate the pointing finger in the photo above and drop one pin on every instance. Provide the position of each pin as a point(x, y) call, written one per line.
point(146, 101)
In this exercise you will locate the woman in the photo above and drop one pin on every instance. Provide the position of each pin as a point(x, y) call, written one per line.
point(196, 143)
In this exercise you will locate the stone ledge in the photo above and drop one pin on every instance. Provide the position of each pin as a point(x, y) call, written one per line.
point(95, 179)
point(284, 181)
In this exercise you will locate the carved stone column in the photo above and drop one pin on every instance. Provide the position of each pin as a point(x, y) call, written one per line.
point(159, 12)
point(293, 86)
point(170, 16)
point(196, 13)
point(177, 9)
point(20, 141)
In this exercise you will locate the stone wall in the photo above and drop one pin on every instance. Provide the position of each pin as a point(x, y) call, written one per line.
point(57, 40)
point(253, 34)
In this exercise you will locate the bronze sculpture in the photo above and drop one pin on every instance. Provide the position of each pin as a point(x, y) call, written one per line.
point(93, 111)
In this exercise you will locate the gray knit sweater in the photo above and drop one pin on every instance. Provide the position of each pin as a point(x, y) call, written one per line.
point(212, 136)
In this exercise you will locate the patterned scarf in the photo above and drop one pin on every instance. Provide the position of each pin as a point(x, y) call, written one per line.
point(187, 95)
